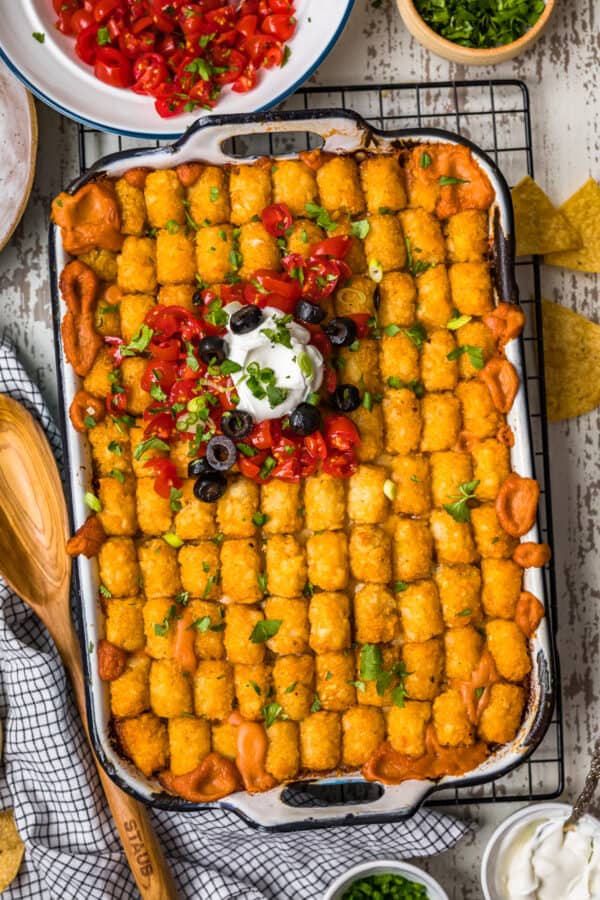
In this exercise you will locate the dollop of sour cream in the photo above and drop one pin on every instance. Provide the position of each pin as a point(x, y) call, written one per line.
point(541, 862)
point(274, 377)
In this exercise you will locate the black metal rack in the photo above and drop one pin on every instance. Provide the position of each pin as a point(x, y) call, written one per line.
point(495, 115)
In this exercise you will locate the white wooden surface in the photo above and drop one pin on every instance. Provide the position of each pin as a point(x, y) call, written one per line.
point(563, 74)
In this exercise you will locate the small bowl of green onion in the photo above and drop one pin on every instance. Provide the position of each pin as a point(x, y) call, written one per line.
point(385, 879)
point(476, 32)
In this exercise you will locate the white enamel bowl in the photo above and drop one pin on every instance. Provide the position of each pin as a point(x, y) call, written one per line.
point(337, 889)
point(54, 73)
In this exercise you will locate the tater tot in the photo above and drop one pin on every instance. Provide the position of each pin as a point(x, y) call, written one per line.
point(224, 739)
point(453, 540)
point(508, 646)
point(334, 674)
point(480, 416)
point(208, 642)
point(375, 616)
point(478, 337)
point(258, 248)
point(399, 358)
point(252, 685)
point(178, 295)
point(302, 235)
point(129, 693)
point(370, 554)
point(411, 476)
point(213, 689)
point(501, 717)
point(189, 743)
point(158, 568)
point(451, 720)
point(110, 448)
point(97, 381)
point(361, 366)
point(439, 373)
point(383, 184)
point(406, 727)
point(327, 556)
point(294, 184)
point(138, 399)
point(199, 569)
point(283, 754)
point(491, 467)
point(501, 580)
point(209, 198)
point(170, 690)
point(133, 309)
point(329, 617)
point(140, 455)
point(424, 233)
point(356, 296)
point(154, 512)
point(471, 288)
point(339, 186)
point(175, 257)
point(397, 299)
point(463, 651)
point(249, 191)
point(384, 243)
point(159, 615)
point(132, 207)
point(215, 257)
point(492, 540)
point(286, 566)
point(292, 636)
point(195, 520)
point(460, 594)
point(324, 502)
point(240, 623)
point(118, 512)
point(441, 421)
point(125, 623)
point(145, 742)
point(164, 197)
point(370, 428)
point(363, 730)
point(373, 693)
point(237, 507)
point(403, 421)
point(293, 678)
point(424, 663)
point(240, 567)
point(136, 266)
point(280, 504)
point(449, 470)
point(467, 237)
point(119, 570)
point(412, 548)
point(420, 612)
point(320, 741)
point(367, 502)
point(434, 303)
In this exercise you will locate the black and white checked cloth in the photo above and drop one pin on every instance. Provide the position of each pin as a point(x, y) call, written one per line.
point(72, 850)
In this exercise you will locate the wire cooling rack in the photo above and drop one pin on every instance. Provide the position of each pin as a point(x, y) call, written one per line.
point(495, 116)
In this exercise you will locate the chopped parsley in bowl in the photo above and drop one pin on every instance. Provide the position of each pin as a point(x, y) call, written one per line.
point(481, 24)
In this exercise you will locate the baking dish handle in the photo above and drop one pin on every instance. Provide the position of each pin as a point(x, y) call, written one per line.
point(288, 808)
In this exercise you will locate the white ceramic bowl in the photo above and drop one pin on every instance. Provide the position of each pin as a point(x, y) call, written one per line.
point(489, 864)
point(336, 890)
point(54, 73)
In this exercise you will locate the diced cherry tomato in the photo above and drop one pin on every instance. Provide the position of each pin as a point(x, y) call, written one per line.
point(250, 465)
point(167, 107)
point(168, 349)
point(112, 67)
point(340, 433)
point(281, 6)
point(166, 476)
point(141, 24)
point(288, 470)
point(149, 71)
point(264, 50)
point(104, 8)
point(322, 277)
point(230, 59)
point(229, 293)
point(361, 320)
point(276, 283)
point(134, 45)
point(247, 25)
point(340, 465)
point(183, 390)
point(246, 81)
point(170, 320)
point(277, 219)
point(338, 247)
point(161, 372)
point(86, 45)
point(280, 26)
point(116, 404)
point(160, 425)
point(80, 22)
point(261, 435)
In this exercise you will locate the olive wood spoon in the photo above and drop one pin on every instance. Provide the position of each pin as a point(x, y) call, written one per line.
point(34, 562)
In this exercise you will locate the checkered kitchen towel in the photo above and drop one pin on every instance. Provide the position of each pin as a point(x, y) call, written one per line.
point(72, 849)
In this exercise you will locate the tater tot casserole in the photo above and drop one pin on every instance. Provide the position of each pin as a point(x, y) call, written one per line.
point(307, 527)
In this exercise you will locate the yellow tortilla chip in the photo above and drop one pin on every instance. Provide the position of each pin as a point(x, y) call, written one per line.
point(11, 849)
point(539, 226)
point(583, 212)
point(571, 362)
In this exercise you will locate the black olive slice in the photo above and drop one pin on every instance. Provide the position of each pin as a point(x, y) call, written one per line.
point(210, 486)
point(221, 453)
point(212, 349)
point(346, 397)
point(237, 424)
point(245, 319)
point(305, 419)
point(341, 331)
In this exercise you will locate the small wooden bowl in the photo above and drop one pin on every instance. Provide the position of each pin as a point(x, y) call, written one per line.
point(470, 56)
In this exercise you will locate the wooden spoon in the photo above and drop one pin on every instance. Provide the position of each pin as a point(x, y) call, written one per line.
point(34, 562)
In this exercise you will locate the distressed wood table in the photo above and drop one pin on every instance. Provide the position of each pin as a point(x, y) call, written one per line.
point(562, 73)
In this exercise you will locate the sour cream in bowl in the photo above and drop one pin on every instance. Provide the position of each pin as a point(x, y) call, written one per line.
point(530, 857)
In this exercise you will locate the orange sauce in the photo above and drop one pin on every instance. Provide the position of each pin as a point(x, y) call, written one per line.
point(505, 322)
point(137, 177)
point(476, 691)
point(529, 613)
point(252, 747)
point(214, 778)
point(530, 555)
point(502, 382)
point(390, 767)
point(516, 504)
point(472, 189)
point(89, 219)
point(183, 645)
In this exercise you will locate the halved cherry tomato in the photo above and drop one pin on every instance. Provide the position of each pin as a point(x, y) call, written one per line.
point(167, 349)
point(104, 8)
point(86, 45)
point(166, 475)
point(250, 465)
point(246, 81)
point(149, 71)
point(159, 424)
point(232, 61)
point(247, 25)
point(261, 435)
point(134, 45)
point(316, 446)
point(338, 246)
point(340, 464)
point(276, 283)
point(277, 219)
point(183, 390)
point(279, 25)
point(116, 404)
point(112, 67)
point(161, 372)
point(340, 433)
point(281, 6)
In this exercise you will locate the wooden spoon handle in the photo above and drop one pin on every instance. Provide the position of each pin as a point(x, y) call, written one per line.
point(142, 849)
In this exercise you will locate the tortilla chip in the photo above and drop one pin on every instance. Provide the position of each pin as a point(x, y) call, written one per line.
point(583, 212)
point(539, 226)
point(11, 849)
point(571, 362)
